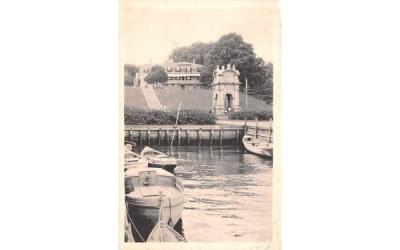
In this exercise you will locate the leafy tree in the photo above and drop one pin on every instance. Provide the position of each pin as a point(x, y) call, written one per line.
point(197, 51)
point(232, 49)
point(269, 84)
point(264, 91)
point(156, 75)
point(130, 71)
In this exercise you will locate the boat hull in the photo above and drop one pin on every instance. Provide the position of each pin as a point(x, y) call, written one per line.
point(267, 153)
point(140, 164)
point(145, 214)
point(169, 167)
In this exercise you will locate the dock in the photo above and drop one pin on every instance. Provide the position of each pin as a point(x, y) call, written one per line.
point(220, 134)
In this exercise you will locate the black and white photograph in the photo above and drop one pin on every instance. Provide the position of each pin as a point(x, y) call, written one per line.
point(198, 118)
point(199, 124)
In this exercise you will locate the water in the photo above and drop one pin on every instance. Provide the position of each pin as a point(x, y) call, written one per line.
point(228, 193)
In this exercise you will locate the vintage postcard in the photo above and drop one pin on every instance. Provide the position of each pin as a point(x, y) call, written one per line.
point(199, 115)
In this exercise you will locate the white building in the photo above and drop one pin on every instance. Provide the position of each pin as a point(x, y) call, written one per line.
point(180, 74)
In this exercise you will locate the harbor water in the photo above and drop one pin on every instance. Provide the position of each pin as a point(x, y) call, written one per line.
point(228, 193)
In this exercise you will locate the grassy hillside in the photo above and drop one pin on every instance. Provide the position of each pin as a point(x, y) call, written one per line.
point(199, 99)
point(134, 99)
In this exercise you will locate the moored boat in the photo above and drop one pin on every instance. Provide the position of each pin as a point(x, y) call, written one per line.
point(133, 160)
point(257, 146)
point(142, 195)
point(157, 159)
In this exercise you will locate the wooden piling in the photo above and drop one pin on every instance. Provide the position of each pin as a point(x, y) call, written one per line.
point(187, 137)
point(148, 136)
point(256, 127)
point(199, 135)
point(221, 134)
point(129, 135)
point(159, 137)
point(140, 137)
point(179, 136)
point(237, 136)
point(211, 136)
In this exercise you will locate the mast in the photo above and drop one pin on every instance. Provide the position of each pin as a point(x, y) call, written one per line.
point(176, 123)
point(246, 94)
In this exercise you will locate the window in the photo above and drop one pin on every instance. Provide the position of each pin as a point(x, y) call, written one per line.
point(188, 78)
point(189, 69)
point(177, 69)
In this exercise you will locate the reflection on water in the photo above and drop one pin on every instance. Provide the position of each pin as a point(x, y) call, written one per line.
point(228, 193)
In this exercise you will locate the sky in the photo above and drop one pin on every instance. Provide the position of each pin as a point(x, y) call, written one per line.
point(150, 30)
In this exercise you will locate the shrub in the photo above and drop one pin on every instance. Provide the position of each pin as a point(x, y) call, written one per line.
point(186, 117)
point(251, 115)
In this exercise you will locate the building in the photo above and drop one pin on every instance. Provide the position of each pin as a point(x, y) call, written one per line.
point(225, 91)
point(180, 74)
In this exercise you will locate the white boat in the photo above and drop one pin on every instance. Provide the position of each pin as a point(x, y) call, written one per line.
point(145, 190)
point(157, 159)
point(133, 160)
point(257, 146)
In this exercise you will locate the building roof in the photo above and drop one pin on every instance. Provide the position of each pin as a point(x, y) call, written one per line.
point(172, 65)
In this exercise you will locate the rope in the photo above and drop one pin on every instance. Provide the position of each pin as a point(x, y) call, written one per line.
point(129, 217)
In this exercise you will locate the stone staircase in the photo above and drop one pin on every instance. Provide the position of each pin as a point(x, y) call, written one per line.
point(151, 97)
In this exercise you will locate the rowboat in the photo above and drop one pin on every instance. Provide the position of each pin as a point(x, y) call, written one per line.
point(145, 190)
point(257, 146)
point(157, 159)
point(133, 160)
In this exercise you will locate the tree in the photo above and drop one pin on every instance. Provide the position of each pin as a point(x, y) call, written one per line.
point(130, 71)
point(264, 91)
point(156, 75)
point(269, 84)
point(231, 49)
point(197, 51)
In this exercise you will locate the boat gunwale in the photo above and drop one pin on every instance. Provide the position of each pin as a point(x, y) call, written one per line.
point(154, 206)
point(131, 172)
